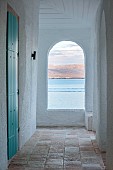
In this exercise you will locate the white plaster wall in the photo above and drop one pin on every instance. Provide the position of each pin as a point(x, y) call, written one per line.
point(96, 63)
point(100, 79)
point(47, 39)
point(94, 51)
point(28, 89)
point(98, 90)
point(96, 67)
point(103, 86)
point(28, 42)
point(108, 8)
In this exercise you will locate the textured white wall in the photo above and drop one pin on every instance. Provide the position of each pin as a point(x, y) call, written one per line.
point(96, 62)
point(102, 121)
point(28, 76)
point(96, 67)
point(47, 39)
point(100, 79)
point(28, 42)
point(108, 8)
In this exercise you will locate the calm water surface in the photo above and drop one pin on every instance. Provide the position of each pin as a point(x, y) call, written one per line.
point(66, 93)
point(66, 85)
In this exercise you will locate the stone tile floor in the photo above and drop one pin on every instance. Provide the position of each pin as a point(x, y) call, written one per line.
point(59, 149)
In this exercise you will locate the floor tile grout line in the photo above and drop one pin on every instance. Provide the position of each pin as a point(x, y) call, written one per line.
point(67, 134)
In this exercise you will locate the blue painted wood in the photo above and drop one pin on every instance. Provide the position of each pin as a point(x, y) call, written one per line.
point(12, 84)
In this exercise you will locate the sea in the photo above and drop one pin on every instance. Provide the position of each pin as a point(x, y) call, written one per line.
point(66, 85)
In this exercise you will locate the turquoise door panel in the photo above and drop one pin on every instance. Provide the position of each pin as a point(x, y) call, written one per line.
point(10, 31)
point(12, 84)
point(14, 73)
point(15, 34)
point(10, 88)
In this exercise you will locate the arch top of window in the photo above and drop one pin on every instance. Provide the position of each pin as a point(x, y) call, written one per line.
point(66, 52)
point(65, 45)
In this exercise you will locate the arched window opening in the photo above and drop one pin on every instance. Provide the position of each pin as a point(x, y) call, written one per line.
point(66, 76)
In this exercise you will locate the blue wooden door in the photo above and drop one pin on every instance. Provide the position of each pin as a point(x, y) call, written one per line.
point(12, 83)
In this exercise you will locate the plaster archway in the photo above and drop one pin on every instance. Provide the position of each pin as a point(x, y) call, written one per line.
point(48, 38)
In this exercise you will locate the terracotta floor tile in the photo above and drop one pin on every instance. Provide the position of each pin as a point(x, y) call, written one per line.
point(74, 168)
point(55, 155)
point(33, 168)
point(16, 168)
point(36, 164)
point(72, 158)
point(59, 149)
point(86, 148)
point(89, 154)
point(92, 160)
point(72, 142)
point(72, 164)
point(91, 167)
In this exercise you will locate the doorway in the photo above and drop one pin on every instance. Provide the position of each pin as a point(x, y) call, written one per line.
point(12, 82)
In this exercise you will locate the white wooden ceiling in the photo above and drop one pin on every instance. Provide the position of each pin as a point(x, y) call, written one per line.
point(67, 13)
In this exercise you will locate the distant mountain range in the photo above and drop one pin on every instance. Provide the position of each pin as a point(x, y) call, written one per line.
point(66, 71)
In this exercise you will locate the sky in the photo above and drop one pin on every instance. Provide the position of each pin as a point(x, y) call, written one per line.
point(65, 53)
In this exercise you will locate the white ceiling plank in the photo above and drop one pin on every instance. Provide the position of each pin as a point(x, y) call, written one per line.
point(75, 13)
